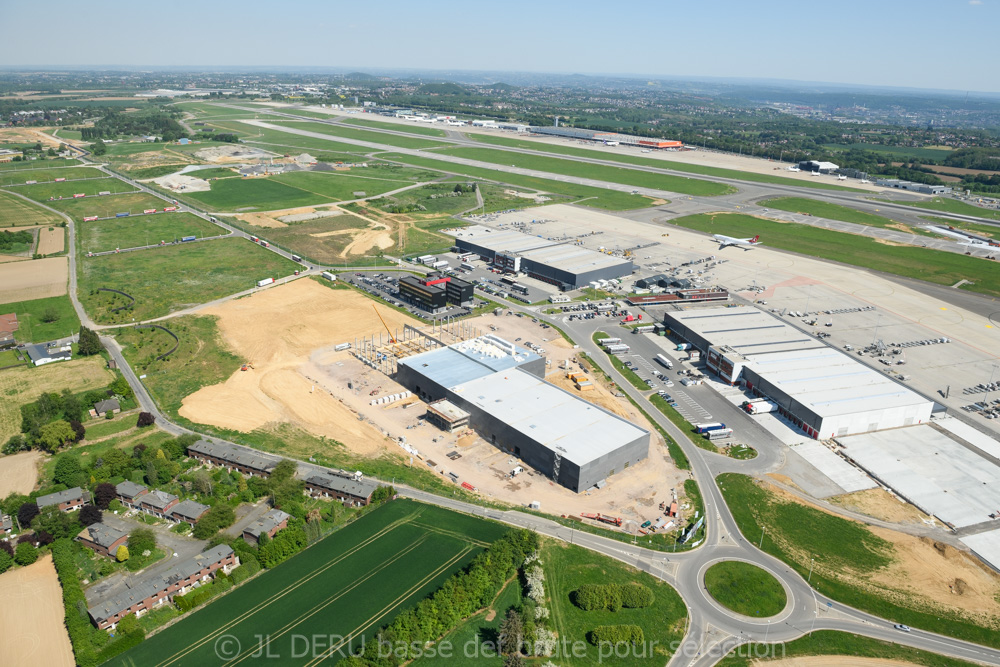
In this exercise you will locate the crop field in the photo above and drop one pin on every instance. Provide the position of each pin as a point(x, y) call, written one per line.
point(298, 189)
point(140, 230)
point(16, 212)
point(940, 267)
point(631, 177)
point(566, 193)
point(373, 136)
point(45, 191)
point(175, 277)
point(48, 175)
point(345, 586)
point(107, 206)
point(652, 162)
point(37, 164)
point(398, 127)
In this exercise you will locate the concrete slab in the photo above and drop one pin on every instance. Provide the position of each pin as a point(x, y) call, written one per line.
point(929, 469)
point(837, 469)
point(977, 439)
point(986, 546)
point(808, 477)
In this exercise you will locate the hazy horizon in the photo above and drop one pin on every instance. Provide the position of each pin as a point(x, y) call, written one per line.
point(892, 44)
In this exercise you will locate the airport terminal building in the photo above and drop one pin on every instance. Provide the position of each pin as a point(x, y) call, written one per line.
point(560, 263)
point(823, 391)
point(500, 387)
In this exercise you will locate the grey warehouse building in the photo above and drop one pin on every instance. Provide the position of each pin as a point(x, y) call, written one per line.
point(562, 436)
point(559, 263)
point(820, 389)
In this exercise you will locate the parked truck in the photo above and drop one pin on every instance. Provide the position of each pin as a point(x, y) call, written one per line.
point(760, 406)
point(683, 346)
point(265, 281)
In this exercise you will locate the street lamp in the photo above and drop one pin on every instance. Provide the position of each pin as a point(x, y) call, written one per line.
point(812, 561)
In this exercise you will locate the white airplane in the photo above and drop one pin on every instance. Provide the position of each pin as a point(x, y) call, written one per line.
point(814, 173)
point(865, 180)
point(794, 169)
point(731, 241)
point(841, 177)
point(611, 143)
point(964, 239)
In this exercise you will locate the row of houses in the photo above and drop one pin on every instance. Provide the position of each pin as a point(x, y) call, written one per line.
point(159, 503)
point(139, 596)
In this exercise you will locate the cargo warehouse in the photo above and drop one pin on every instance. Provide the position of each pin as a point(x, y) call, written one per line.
point(435, 291)
point(500, 388)
point(563, 264)
point(823, 391)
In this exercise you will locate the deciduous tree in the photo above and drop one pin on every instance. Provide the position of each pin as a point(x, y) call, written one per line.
point(104, 494)
point(90, 515)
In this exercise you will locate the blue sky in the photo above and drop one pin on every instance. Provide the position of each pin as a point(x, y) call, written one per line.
point(916, 43)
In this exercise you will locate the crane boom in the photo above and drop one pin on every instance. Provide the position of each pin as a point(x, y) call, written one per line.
point(392, 339)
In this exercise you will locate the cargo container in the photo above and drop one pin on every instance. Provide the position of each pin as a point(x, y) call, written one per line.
point(59, 180)
point(694, 355)
point(618, 348)
point(149, 210)
point(30, 182)
point(106, 192)
point(121, 215)
point(328, 275)
point(296, 258)
point(427, 259)
point(663, 361)
point(265, 281)
point(705, 428)
point(645, 328)
point(342, 347)
point(168, 209)
point(609, 341)
point(439, 265)
point(78, 196)
point(89, 218)
point(719, 434)
point(188, 238)
point(760, 406)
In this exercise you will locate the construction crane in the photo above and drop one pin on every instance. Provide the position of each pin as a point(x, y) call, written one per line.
point(392, 339)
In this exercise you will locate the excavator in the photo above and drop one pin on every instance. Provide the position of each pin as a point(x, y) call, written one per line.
point(392, 339)
point(247, 366)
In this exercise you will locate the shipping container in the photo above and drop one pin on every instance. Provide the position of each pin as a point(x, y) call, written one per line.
point(30, 182)
point(719, 434)
point(149, 210)
point(265, 281)
point(328, 275)
point(121, 215)
point(78, 196)
point(168, 209)
point(60, 180)
point(342, 347)
point(89, 218)
point(106, 192)
point(188, 238)
point(705, 428)
point(664, 361)
point(609, 341)
point(439, 265)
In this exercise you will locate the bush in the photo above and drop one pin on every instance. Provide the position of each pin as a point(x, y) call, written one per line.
point(5, 561)
point(145, 419)
point(25, 553)
point(77, 622)
point(591, 597)
point(616, 634)
point(122, 643)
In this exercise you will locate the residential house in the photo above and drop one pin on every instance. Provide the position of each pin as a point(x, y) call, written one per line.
point(270, 523)
point(158, 503)
point(6, 524)
point(233, 457)
point(103, 539)
point(152, 590)
point(188, 511)
point(348, 488)
point(101, 408)
point(129, 493)
point(68, 500)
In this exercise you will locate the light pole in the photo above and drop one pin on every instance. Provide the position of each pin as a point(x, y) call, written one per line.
point(812, 561)
point(761, 545)
point(767, 631)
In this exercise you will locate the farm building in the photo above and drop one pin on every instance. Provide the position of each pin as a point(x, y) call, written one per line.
point(821, 390)
point(67, 501)
point(108, 605)
point(44, 353)
point(500, 386)
point(273, 521)
point(102, 538)
point(559, 263)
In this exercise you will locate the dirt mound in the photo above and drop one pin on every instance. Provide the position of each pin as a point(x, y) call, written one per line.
point(178, 182)
point(232, 153)
point(279, 330)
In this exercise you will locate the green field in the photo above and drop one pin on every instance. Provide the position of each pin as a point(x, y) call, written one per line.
point(17, 212)
point(38, 164)
point(361, 135)
point(940, 267)
point(102, 428)
point(167, 279)
point(984, 229)
point(826, 210)
point(105, 207)
point(32, 316)
point(901, 152)
point(567, 193)
point(298, 189)
point(298, 238)
point(284, 142)
point(398, 127)
point(48, 175)
point(43, 192)
point(568, 567)
point(830, 642)
point(745, 589)
point(135, 231)
point(140, 173)
point(439, 198)
point(842, 555)
point(653, 162)
point(954, 206)
point(349, 584)
point(630, 177)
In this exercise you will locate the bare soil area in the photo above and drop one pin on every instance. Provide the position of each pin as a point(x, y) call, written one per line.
point(32, 617)
point(232, 153)
point(24, 135)
point(19, 472)
point(879, 504)
point(178, 182)
point(277, 330)
point(33, 280)
point(51, 240)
